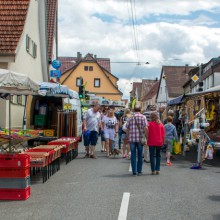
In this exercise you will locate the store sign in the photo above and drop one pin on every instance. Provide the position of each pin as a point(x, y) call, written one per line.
point(195, 78)
point(67, 106)
point(55, 73)
point(56, 64)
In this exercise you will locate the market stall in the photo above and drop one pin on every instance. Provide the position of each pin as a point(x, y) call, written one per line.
point(12, 83)
point(203, 117)
point(56, 111)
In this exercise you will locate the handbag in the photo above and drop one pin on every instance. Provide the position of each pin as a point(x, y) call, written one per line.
point(143, 138)
point(124, 128)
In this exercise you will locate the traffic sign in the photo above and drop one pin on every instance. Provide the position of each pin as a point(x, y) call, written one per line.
point(195, 78)
point(56, 64)
point(55, 73)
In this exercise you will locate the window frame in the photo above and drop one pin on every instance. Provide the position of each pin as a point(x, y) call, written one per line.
point(97, 79)
point(78, 79)
point(90, 68)
point(86, 68)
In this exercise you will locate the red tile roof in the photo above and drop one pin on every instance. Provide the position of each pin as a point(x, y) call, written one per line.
point(152, 92)
point(69, 62)
point(51, 25)
point(12, 19)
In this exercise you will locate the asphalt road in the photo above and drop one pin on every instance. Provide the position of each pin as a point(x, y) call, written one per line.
point(92, 189)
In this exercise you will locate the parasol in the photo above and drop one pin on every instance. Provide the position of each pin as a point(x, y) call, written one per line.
point(13, 83)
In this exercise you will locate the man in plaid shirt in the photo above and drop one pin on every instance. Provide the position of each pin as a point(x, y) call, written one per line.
point(134, 135)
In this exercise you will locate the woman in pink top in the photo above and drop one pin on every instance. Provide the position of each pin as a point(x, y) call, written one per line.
point(155, 141)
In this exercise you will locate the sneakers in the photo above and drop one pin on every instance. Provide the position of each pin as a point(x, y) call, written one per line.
point(146, 161)
point(153, 173)
point(157, 172)
point(169, 164)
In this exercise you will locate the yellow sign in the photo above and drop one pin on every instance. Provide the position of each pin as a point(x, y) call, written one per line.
point(67, 106)
point(195, 78)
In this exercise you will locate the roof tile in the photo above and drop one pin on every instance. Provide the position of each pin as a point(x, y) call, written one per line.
point(12, 19)
point(51, 25)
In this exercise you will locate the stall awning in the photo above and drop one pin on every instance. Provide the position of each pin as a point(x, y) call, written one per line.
point(54, 89)
point(84, 104)
point(211, 90)
point(16, 83)
point(177, 101)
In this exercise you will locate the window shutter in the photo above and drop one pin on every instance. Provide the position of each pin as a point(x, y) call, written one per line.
point(27, 43)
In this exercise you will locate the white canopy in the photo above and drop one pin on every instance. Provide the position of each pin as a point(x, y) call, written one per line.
point(16, 83)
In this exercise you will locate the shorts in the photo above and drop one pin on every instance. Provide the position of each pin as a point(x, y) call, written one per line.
point(109, 134)
point(169, 144)
point(91, 139)
point(102, 136)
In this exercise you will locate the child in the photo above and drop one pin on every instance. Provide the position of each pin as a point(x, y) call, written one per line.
point(171, 134)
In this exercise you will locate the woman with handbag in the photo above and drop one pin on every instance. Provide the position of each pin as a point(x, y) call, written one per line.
point(156, 135)
point(136, 134)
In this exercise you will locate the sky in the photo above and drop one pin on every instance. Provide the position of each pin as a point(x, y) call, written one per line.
point(160, 32)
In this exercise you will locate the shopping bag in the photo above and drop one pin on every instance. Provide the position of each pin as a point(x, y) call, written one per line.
point(177, 147)
point(173, 143)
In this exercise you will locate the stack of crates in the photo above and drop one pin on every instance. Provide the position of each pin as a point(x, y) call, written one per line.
point(14, 176)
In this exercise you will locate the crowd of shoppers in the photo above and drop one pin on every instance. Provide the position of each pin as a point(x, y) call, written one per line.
point(137, 136)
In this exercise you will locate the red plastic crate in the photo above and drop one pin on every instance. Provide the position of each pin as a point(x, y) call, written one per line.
point(14, 160)
point(15, 194)
point(21, 172)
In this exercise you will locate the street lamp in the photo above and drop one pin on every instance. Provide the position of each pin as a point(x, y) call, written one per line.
point(138, 63)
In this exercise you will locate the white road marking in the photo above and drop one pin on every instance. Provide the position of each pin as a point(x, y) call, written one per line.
point(130, 168)
point(124, 206)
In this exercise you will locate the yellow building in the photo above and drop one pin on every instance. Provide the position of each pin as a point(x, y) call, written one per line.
point(97, 80)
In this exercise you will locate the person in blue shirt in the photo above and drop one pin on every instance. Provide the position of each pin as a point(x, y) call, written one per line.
point(171, 134)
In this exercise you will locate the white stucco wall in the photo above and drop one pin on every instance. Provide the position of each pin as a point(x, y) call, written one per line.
point(35, 68)
point(216, 79)
point(24, 62)
point(162, 94)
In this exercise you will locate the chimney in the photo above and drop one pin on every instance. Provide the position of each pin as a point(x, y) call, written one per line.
point(95, 56)
point(186, 69)
point(79, 55)
point(156, 79)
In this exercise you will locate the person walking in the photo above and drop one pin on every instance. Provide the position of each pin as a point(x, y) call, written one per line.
point(136, 130)
point(104, 113)
point(91, 123)
point(110, 127)
point(155, 141)
point(125, 145)
point(171, 134)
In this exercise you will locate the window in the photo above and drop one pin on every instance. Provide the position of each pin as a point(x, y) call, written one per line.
point(19, 100)
point(31, 47)
point(78, 81)
point(91, 68)
point(86, 68)
point(96, 82)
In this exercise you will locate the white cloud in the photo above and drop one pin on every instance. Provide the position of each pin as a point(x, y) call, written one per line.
point(189, 40)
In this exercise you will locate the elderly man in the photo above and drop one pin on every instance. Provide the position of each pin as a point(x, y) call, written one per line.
point(91, 124)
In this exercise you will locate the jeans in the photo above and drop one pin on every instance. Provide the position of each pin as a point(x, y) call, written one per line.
point(155, 158)
point(136, 166)
point(119, 137)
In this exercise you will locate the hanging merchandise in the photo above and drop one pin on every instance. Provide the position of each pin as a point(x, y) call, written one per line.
point(66, 122)
point(209, 152)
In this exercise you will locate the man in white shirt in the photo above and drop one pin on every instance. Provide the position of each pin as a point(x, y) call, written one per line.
point(91, 124)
